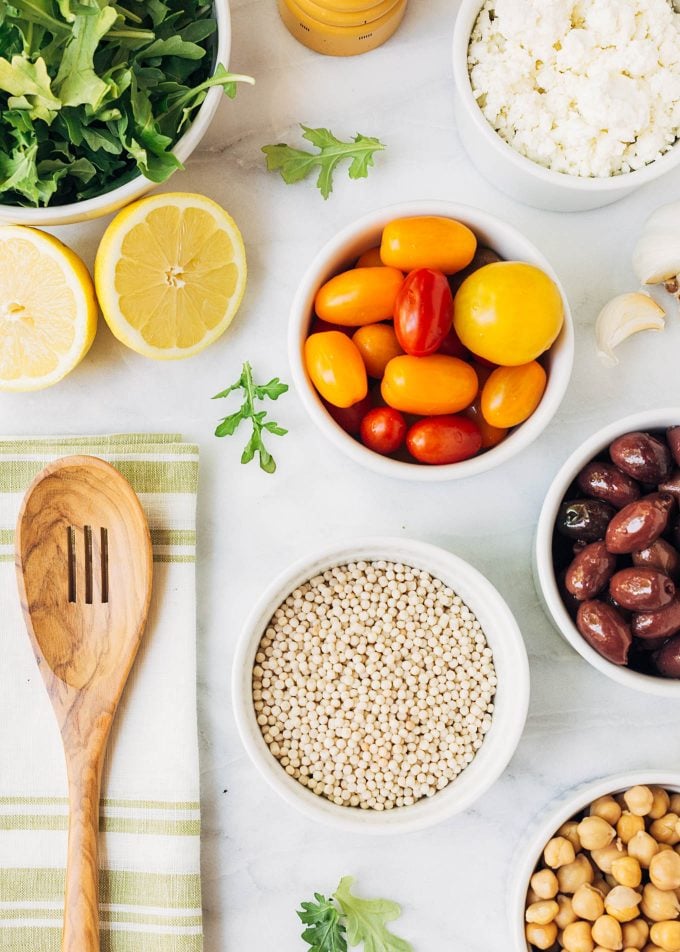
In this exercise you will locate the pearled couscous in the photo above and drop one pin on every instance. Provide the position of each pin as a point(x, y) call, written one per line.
point(373, 685)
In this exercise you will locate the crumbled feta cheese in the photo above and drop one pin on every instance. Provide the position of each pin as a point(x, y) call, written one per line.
point(585, 87)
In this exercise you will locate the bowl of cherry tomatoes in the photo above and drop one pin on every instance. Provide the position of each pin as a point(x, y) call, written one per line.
point(431, 341)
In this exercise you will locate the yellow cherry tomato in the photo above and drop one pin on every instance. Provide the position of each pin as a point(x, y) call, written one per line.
point(370, 259)
point(377, 345)
point(360, 296)
point(442, 244)
point(429, 386)
point(335, 368)
point(508, 312)
point(511, 394)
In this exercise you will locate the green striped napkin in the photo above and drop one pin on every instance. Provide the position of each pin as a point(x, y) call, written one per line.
point(150, 817)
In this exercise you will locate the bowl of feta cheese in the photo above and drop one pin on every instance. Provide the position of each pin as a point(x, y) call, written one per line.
point(569, 104)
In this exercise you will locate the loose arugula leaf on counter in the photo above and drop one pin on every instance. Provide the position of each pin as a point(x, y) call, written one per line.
point(296, 164)
point(326, 933)
point(247, 411)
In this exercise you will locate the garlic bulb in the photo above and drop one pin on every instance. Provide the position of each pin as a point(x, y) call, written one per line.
point(625, 315)
point(656, 257)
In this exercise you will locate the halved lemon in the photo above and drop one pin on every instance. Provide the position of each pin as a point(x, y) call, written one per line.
point(170, 274)
point(48, 309)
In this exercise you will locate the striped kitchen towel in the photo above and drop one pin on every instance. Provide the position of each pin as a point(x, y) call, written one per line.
point(150, 890)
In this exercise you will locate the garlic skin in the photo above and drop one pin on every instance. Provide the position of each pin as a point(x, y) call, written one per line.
point(623, 316)
point(656, 257)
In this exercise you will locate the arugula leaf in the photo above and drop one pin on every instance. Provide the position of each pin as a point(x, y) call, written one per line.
point(252, 392)
point(367, 919)
point(29, 87)
point(296, 164)
point(326, 933)
point(77, 83)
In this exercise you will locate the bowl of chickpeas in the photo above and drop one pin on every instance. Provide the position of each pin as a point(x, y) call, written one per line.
point(602, 870)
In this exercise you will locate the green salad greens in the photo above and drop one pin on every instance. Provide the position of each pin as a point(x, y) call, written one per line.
point(93, 93)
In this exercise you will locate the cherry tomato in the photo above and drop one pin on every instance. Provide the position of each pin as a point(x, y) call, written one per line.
point(423, 314)
point(508, 312)
point(452, 347)
point(377, 345)
point(370, 259)
point(511, 394)
point(320, 327)
point(427, 242)
point(360, 296)
point(491, 435)
point(429, 386)
point(444, 439)
point(335, 368)
point(349, 418)
point(383, 430)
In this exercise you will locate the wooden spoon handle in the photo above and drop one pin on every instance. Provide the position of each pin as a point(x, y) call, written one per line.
point(81, 903)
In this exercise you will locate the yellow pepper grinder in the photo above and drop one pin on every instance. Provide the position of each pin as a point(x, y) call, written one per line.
point(342, 27)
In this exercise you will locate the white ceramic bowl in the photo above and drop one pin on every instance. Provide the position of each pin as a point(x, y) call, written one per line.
point(549, 822)
point(118, 197)
point(544, 573)
point(512, 172)
point(511, 701)
point(341, 252)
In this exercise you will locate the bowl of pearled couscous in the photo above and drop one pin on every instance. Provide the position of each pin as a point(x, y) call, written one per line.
point(381, 686)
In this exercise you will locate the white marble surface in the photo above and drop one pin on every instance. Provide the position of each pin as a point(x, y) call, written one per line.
point(260, 858)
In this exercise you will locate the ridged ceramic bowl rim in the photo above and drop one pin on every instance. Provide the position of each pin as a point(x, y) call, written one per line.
point(552, 818)
point(511, 702)
point(116, 198)
point(546, 582)
point(465, 21)
point(341, 251)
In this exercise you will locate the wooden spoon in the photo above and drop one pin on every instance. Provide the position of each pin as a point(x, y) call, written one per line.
point(84, 566)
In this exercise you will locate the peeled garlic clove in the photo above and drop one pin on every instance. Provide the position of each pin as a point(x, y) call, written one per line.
point(625, 315)
point(656, 257)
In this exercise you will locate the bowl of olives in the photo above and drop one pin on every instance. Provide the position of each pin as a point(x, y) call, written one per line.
point(607, 551)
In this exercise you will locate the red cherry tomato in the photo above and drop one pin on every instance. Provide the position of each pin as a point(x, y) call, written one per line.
point(349, 418)
point(423, 314)
point(383, 430)
point(452, 346)
point(443, 439)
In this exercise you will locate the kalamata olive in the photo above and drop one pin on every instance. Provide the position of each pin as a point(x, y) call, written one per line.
point(642, 456)
point(649, 644)
point(605, 630)
point(667, 659)
point(606, 481)
point(673, 440)
point(660, 555)
point(584, 520)
point(590, 571)
point(641, 589)
point(659, 624)
point(570, 603)
point(672, 485)
point(639, 524)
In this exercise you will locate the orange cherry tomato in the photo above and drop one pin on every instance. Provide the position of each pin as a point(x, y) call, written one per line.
point(377, 345)
point(491, 435)
point(335, 368)
point(360, 296)
point(428, 242)
point(370, 259)
point(511, 394)
point(429, 386)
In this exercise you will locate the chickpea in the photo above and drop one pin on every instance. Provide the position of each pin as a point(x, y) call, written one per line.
point(532, 897)
point(569, 831)
point(635, 934)
point(658, 904)
point(622, 903)
point(603, 885)
point(661, 804)
point(566, 914)
point(643, 848)
point(666, 935)
point(588, 903)
point(604, 859)
point(629, 825)
point(607, 933)
point(575, 874)
point(639, 800)
point(664, 870)
point(544, 884)
point(652, 948)
point(541, 937)
point(559, 852)
point(595, 833)
point(665, 829)
point(542, 912)
point(674, 806)
point(577, 937)
point(607, 808)
point(627, 872)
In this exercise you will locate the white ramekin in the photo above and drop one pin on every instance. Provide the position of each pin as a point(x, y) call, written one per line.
point(118, 197)
point(512, 172)
point(341, 252)
point(551, 820)
point(511, 702)
point(544, 572)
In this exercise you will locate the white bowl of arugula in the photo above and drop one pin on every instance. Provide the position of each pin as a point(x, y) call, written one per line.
point(99, 105)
